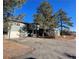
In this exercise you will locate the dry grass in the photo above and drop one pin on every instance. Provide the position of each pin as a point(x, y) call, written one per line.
point(12, 49)
point(66, 37)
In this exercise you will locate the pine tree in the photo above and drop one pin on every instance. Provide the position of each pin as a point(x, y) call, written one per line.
point(64, 22)
point(8, 9)
point(44, 16)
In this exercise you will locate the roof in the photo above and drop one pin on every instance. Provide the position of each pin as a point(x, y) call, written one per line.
point(21, 22)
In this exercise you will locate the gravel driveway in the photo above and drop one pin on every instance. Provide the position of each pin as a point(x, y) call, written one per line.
point(49, 49)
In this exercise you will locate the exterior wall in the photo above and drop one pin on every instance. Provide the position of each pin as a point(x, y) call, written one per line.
point(15, 28)
point(14, 34)
point(57, 32)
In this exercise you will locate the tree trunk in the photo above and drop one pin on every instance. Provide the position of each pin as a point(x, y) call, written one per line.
point(61, 28)
point(43, 29)
point(43, 33)
point(9, 31)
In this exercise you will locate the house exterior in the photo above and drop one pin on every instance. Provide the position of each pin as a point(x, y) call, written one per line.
point(57, 32)
point(15, 30)
point(32, 30)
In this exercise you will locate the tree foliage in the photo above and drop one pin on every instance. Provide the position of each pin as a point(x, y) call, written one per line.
point(9, 5)
point(8, 9)
point(64, 22)
point(44, 15)
point(49, 20)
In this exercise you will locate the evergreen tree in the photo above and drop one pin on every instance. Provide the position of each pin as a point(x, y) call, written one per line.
point(64, 22)
point(44, 16)
point(8, 9)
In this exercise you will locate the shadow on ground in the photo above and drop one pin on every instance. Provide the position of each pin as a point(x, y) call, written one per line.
point(70, 56)
point(30, 58)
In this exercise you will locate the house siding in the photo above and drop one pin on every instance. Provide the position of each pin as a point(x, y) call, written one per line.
point(15, 30)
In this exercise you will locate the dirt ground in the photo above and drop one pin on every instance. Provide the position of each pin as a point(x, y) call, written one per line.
point(13, 49)
point(48, 48)
point(66, 38)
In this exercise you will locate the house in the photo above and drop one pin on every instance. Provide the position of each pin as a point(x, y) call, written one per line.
point(15, 29)
point(32, 29)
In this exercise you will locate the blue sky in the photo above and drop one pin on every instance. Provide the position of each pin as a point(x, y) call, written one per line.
point(30, 6)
